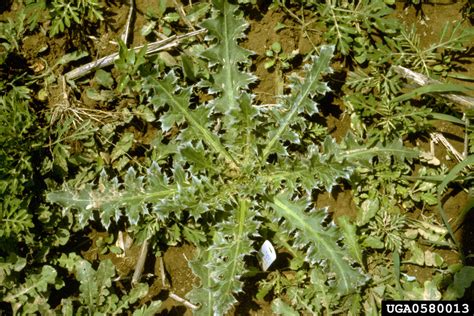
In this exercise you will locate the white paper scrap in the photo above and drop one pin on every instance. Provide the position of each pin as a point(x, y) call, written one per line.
point(267, 254)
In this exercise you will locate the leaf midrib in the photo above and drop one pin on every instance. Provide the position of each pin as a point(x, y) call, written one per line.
point(329, 250)
point(208, 137)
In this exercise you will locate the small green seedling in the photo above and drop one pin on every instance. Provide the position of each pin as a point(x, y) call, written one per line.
point(276, 55)
point(159, 20)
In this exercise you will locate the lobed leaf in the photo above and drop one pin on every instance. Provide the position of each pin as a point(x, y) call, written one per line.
point(320, 241)
point(111, 197)
point(14, 217)
point(221, 266)
point(463, 279)
point(166, 92)
point(328, 165)
point(365, 152)
point(300, 97)
point(96, 296)
point(351, 239)
point(227, 27)
point(31, 296)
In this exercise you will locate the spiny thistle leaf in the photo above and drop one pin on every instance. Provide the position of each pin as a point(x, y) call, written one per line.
point(204, 295)
point(320, 167)
point(319, 170)
point(230, 79)
point(325, 169)
point(111, 197)
point(352, 151)
point(326, 166)
point(351, 238)
point(227, 27)
point(166, 91)
point(221, 266)
point(94, 284)
point(197, 157)
point(300, 98)
point(320, 240)
point(241, 130)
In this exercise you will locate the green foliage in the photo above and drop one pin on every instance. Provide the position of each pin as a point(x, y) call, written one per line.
point(135, 194)
point(128, 65)
point(96, 296)
point(320, 241)
point(281, 308)
point(353, 26)
point(32, 296)
point(227, 28)
point(35, 12)
point(278, 57)
point(462, 280)
point(453, 175)
point(16, 166)
point(70, 14)
point(158, 17)
point(11, 33)
point(221, 266)
point(298, 102)
point(438, 57)
point(225, 146)
point(176, 148)
point(62, 16)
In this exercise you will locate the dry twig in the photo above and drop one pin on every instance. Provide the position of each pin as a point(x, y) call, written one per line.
point(183, 301)
point(466, 136)
point(137, 274)
point(126, 32)
point(166, 285)
point(152, 48)
point(438, 137)
point(464, 101)
point(182, 15)
point(164, 280)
